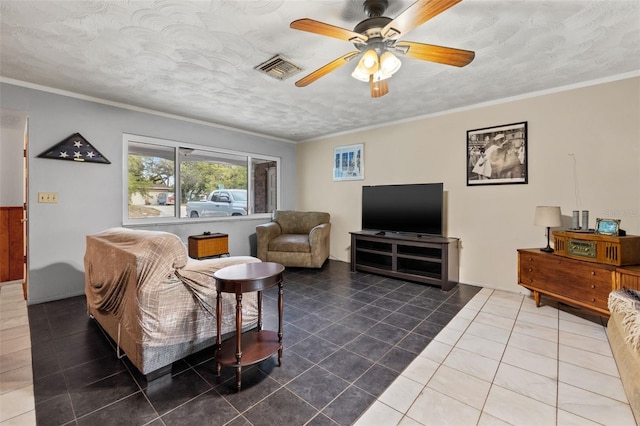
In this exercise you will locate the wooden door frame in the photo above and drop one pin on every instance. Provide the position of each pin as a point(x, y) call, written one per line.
point(25, 211)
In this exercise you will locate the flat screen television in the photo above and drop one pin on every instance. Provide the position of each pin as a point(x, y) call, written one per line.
point(410, 208)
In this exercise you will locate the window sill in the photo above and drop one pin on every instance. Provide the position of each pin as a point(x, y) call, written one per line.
point(183, 221)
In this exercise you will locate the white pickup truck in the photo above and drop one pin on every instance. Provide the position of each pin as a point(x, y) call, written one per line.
point(221, 202)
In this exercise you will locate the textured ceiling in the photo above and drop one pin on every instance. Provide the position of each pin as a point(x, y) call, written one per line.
point(196, 58)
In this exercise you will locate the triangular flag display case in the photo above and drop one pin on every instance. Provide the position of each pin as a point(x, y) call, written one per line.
point(75, 148)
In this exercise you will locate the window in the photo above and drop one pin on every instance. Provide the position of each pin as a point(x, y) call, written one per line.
point(168, 180)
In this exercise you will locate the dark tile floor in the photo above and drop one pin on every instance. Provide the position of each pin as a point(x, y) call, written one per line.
point(347, 336)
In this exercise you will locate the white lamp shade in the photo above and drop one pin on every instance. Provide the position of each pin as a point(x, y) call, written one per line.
point(548, 216)
point(369, 62)
point(358, 74)
point(389, 63)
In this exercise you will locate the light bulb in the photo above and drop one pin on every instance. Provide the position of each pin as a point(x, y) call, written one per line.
point(368, 62)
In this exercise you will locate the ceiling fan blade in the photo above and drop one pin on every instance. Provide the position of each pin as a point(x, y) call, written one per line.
point(433, 53)
point(322, 71)
point(378, 88)
point(321, 28)
point(416, 15)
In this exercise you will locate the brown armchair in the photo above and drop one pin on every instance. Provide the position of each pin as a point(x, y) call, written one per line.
point(293, 238)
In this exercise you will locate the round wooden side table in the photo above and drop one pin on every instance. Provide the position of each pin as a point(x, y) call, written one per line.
point(254, 345)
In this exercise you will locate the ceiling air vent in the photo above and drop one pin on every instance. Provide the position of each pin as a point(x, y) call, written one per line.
point(278, 67)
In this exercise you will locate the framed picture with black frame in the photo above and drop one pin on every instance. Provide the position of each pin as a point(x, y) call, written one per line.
point(498, 155)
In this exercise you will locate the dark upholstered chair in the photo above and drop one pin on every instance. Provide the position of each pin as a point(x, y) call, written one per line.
point(293, 238)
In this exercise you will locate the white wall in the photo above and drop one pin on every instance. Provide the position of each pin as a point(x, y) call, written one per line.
point(12, 126)
point(90, 194)
point(599, 125)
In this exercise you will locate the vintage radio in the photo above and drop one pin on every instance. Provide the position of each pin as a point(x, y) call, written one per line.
point(593, 247)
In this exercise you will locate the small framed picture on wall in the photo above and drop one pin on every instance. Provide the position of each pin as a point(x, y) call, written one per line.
point(348, 162)
point(497, 155)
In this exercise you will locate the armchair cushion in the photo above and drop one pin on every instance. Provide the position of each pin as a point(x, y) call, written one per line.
point(291, 242)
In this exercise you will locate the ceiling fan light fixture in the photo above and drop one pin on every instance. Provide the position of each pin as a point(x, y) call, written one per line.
point(370, 62)
point(389, 63)
point(358, 74)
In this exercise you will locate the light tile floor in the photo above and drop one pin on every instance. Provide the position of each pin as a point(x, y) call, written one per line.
point(17, 405)
point(503, 361)
point(500, 361)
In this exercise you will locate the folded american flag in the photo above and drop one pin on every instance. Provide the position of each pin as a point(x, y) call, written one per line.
point(75, 148)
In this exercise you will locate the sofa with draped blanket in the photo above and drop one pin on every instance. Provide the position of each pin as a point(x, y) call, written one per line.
point(623, 331)
point(156, 303)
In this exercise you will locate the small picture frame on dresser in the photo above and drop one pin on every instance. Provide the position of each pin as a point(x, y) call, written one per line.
point(608, 226)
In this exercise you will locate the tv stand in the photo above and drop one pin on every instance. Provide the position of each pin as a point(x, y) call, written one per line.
point(420, 258)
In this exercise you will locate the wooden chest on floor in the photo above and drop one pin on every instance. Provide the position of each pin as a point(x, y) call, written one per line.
point(208, 245)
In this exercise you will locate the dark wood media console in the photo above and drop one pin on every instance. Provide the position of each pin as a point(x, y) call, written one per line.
point(426, 259)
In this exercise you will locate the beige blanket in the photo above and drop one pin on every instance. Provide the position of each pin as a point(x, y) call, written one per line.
point(144, 257)
point(627, 303)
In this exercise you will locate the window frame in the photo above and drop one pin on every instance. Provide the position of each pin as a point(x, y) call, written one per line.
point(176, 145)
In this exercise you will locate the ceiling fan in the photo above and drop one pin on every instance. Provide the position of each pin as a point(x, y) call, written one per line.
point(376, 39)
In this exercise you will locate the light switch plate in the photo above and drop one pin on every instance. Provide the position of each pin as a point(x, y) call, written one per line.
point(47, 197)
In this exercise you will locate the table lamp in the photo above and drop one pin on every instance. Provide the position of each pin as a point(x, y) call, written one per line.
point(548, 216)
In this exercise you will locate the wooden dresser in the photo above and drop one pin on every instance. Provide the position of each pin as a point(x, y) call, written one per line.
point(580, 283)
point(575, 282)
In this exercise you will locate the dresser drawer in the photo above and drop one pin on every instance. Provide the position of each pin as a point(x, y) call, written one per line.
point(586, 273)
point(600, 296)
point(564, 271)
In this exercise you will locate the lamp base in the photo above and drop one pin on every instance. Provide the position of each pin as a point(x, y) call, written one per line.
point(548, 248)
